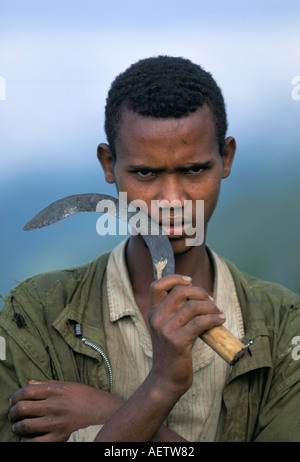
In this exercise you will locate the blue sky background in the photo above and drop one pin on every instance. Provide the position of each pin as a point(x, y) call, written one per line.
point(58, 59)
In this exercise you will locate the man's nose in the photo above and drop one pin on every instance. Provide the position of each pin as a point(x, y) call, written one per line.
point(172, 190)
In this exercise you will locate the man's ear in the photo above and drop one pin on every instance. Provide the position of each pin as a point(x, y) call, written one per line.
point(228, 155)
point(106, 160)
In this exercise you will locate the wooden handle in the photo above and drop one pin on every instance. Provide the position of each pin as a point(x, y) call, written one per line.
point(224, 343)
point(218, 338)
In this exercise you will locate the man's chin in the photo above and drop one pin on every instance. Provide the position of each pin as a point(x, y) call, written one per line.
point(179, 245)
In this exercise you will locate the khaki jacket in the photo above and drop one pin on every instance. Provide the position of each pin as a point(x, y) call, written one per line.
point(39, 320)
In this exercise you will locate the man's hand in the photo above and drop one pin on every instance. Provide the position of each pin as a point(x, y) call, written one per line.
point(51, 411)
point(179, 313)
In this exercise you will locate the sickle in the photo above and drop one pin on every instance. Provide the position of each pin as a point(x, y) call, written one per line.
point(158, 243)
point(218, 338)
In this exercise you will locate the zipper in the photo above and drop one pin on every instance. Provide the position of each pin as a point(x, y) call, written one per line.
point(103, 355)
point(78, 333)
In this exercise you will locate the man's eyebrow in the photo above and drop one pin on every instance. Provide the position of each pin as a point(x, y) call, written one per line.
point(197, 165)
point(145, 167)
point(183, 168)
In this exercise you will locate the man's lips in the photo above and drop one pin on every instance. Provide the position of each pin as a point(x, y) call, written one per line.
point(176, 225)
point(176, 229)
point(173, 230)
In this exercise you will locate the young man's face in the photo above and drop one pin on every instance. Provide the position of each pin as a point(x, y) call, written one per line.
point(169, 160)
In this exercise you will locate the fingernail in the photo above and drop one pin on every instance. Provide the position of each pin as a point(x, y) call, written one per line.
point(187, 278)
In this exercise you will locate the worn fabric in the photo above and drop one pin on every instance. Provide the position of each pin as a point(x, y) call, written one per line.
point(261, 396)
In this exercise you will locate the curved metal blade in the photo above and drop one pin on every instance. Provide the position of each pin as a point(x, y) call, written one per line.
point(155, 238)
point(66, 207)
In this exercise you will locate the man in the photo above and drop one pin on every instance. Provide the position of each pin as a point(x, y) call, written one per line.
point(101, 352)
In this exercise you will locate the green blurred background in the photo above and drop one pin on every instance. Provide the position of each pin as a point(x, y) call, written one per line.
point(58, 59)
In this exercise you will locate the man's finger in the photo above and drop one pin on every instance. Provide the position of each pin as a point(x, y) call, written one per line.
point(160, 288)
point(199, 324)
point(194, 308)
point(33, 391)
point(24, 409)
point(31, 427)
point(169, 303)
point(189, 321)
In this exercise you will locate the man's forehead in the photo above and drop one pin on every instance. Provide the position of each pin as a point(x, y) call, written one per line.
point(166, 143)
point(134, 126)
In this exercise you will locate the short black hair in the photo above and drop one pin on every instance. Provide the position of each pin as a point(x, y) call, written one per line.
point(164, 87)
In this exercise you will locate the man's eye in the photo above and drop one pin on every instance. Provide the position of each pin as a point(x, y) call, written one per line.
point(144, 173)
point(195, 170)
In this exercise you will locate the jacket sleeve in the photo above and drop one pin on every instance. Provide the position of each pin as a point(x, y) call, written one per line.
point(8, 385)
point(24, 355)
point(39, 340)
